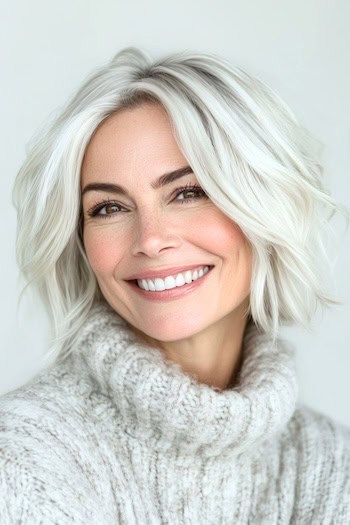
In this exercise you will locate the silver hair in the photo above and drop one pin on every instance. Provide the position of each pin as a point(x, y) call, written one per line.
point(249, 153)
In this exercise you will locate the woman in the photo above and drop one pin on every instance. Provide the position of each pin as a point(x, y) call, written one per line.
point(172, 219)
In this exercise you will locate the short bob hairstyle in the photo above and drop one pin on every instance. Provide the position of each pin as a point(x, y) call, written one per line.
point(248, 151)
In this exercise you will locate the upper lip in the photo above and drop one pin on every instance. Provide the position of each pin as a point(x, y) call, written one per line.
point(164, 272)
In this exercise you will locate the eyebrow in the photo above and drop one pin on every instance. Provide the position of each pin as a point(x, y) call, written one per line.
point(165, 179)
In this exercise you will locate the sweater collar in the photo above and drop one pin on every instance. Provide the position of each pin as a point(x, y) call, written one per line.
point(168, 409)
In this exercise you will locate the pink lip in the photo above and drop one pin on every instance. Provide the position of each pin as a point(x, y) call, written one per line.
point(164, 272)
point(173, 293)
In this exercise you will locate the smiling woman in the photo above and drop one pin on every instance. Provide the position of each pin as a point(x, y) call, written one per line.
point(152, 235)
point(179, 219)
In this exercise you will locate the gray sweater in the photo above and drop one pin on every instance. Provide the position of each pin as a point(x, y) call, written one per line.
point(117, 434)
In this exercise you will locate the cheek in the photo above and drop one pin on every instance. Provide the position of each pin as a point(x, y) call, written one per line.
point(219, 233)
point(102, 251)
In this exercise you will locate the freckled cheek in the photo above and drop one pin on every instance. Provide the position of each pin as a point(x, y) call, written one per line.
point(103, 252)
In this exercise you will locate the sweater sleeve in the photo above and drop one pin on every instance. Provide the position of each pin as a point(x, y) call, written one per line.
point(323, 482)
point(45, 473)
point(30, 494)
point(342, 506)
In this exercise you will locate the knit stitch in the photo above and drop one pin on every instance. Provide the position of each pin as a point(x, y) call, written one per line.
point(118, 434)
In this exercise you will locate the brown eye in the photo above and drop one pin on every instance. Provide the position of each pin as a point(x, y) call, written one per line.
point(110, 209)
point(194, 192)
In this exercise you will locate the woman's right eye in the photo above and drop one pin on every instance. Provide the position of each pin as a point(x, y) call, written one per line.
point(95, 211)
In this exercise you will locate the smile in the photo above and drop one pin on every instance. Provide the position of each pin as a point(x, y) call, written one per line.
point(161, 293)
point(172, 281)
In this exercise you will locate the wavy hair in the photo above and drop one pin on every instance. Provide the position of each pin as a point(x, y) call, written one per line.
point(250, 154)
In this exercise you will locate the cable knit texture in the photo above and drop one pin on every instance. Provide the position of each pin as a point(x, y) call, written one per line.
point(118, 434)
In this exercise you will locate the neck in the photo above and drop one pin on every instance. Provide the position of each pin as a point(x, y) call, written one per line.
point(212, 356)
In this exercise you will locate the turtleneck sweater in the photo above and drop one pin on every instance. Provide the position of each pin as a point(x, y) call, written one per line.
point(118, 434)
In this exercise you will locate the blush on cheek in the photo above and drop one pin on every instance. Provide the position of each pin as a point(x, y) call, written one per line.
point(219, 231)
point(101, 254)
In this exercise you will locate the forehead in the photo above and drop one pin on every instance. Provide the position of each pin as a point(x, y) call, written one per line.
point(131, 142)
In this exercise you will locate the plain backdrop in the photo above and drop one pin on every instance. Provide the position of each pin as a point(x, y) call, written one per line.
point(300, 48)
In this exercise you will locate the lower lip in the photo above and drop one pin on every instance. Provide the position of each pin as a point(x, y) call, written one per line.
point(173, 293)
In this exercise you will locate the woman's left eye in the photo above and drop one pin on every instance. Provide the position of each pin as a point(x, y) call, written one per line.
point(196, 191)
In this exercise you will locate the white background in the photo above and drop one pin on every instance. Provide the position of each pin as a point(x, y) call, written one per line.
point(301, 48)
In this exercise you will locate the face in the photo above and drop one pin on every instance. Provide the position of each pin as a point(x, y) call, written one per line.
point(163, 229)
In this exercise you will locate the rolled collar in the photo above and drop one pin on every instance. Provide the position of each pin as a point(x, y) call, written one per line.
point(169, 410)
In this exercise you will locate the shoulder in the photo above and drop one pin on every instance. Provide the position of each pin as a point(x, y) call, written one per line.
point(53, 394)
point(58, 405)
point(312, 428)
point(46, 464)
point(320, 448)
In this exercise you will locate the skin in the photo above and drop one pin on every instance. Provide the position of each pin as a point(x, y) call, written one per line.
point(203, 330)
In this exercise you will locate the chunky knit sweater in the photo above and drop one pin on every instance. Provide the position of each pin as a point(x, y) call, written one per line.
point(118, 434)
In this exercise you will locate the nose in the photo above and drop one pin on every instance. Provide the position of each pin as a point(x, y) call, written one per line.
point(153, 234)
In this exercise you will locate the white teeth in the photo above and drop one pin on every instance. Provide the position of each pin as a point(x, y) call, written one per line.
point(151, 285)
point(188, 277)
point(159, 284)
point(171, 281)
point(180, 280)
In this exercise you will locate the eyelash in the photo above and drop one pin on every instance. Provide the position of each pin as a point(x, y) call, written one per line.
point(94, 211)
